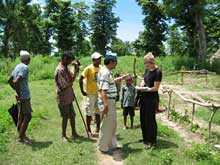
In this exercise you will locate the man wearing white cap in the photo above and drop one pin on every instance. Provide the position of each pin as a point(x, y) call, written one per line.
point(19, 77)
point(90, 74)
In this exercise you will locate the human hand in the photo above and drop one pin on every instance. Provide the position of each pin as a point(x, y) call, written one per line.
point(105, 109)
point(84, 93)
point(123, 76)
point(142, 84)
point(76, 65)
point(142, 89)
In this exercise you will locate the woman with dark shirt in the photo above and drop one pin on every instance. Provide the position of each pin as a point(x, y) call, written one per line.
point(149, 100)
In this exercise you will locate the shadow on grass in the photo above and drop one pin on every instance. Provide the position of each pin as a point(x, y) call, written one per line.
point(126, 149)
point(37, 145)
point(161, 144)
point(165, 144)
point(82, 139)
point(137, 126)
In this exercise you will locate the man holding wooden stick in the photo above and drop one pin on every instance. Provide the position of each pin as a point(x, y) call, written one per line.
point(19, 81)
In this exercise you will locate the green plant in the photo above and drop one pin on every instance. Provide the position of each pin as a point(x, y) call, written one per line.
point(194, 127)
point(4, 124)
point(200, 152)
point(166, 158)
point(174, 115)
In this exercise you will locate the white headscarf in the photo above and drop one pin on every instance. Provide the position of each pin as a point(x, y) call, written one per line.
point(24, 55)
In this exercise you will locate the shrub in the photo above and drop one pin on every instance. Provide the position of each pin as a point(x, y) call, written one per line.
point(5, 122)
point(200, 152)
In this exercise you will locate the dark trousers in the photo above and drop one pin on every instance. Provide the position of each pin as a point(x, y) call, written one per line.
point(148, 120)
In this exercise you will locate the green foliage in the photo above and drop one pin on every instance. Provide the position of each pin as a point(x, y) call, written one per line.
point(103, 24)
point(42, 67)
point(22, 26)
point(194, 127)
point(4, 124)
point(205, 114)
point(177, 41)
point(215, 67)
point(120, 47)
point(212, 21)
point(155, 26)
point(200, 152)
point(167, 158)
point(174, 63)
point(174, 115)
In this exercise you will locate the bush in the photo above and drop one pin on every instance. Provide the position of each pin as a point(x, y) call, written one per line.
point(41, 67)
point(200, 152)
point(5, 121)
point(215, 67)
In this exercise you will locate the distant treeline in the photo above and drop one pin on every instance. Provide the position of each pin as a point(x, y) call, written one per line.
point(178, 28)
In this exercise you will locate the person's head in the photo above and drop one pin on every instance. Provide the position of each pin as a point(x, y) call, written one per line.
point(25, 57)
point(149, 60)
point(67, 57)
point(110, 60)
point(129, 80)
point(96, 58)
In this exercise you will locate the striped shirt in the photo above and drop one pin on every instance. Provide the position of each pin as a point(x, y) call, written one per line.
point(106, 82)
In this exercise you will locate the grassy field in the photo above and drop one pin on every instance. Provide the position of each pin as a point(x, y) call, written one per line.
point(45, 127)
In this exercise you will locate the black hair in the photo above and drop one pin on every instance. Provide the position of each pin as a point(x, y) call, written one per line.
point(106, 61)
point(68, 55)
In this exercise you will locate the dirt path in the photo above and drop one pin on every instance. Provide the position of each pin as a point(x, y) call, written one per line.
point(188, 136)
point(115, 159)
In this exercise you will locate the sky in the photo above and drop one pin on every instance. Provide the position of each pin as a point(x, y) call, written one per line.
point(129, 13)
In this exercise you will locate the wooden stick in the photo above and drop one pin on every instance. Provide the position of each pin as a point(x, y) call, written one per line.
point(210, 120)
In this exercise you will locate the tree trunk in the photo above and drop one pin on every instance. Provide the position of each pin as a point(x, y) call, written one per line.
point(201, 32)
point(5, 41)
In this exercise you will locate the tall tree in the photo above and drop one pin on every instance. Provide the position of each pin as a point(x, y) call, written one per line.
point(212, 22)
point(21, 27)
point(81, 45)
point(67, 25)
point(8, 21)
point(103, 24)
point(155, 26)
point(189, 15)
point(120, 47)
point(177, 41)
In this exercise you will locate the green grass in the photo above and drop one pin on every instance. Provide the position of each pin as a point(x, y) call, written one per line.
point(45, 129)
point(204, 113)
point(170, 148)
point(45, 126)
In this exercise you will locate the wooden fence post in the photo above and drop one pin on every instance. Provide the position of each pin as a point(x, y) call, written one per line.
point(193, 112)
point(206, 78)
point(169, 103)
point(210, 120)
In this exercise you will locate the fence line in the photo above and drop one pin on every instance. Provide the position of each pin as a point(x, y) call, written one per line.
point(199, 101)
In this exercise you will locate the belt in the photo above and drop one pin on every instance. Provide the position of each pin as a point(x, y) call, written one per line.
point(111, 97)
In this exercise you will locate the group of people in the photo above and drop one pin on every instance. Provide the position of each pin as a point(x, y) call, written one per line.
point(100, 92)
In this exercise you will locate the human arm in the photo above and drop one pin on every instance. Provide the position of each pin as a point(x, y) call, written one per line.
point(122, 97)
point(120, 78)
point(104, 100)
point(15, 84)
point(62, 80)
point(81, 85)
point(156, 83)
